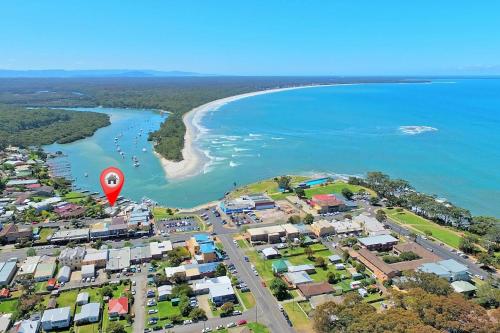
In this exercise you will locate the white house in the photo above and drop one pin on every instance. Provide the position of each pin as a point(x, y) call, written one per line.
point(56, 318)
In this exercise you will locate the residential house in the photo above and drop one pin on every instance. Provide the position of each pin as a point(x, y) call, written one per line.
point(56, 319)
point(89, 313)
point(464, 288)
point(26, 326)
point(28, 267)
point(297, 278)
point(272, 234)
point(219, 289)
point(279, 267)
point(12, 233)
point(270, 253)
point(118, 307)
point(313, 289)
point(159, 249)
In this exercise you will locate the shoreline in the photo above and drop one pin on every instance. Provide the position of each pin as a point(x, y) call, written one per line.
point(194, 159)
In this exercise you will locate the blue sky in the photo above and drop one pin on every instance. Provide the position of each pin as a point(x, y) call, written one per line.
point(326, 37)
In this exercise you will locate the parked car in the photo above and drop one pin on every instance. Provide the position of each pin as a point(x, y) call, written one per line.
point(230, 325)
point(187, 322)
point(242, 322)
point(169, 325)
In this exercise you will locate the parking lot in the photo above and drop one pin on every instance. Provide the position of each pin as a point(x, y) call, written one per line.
point(175, 225)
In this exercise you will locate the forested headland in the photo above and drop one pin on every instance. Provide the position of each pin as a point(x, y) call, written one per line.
point(175, 95)
point(33, 127)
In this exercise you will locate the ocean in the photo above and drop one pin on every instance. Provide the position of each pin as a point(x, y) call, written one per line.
point(443, 137)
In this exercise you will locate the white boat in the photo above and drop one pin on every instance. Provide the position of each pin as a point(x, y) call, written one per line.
point(144, 150)
point(86, 174)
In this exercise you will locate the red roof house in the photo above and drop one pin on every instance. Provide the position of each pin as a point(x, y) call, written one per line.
point(4, 293)
point(118, 306)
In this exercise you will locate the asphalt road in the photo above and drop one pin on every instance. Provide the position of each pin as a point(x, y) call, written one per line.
point(266, 304)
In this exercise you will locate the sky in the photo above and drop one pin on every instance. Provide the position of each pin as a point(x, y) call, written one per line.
point(291, 37)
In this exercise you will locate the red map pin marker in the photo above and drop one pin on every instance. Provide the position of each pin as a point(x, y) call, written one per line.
point(112, 180)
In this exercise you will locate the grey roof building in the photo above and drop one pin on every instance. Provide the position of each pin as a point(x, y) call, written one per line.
point(82, 298)
point(118, 259)
point(89, 313)
point(88, 271)
point(26, 326)
point(72, 257)
point(64, 274)
point(7, 272)
point(56, 318)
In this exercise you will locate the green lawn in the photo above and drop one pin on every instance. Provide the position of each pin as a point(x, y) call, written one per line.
point(258, 328)
point(8, 306)
point(90, 328)
point(268, 186)
point(298, 318)
point(420, 225)
point(105, 321)
point(75, 197)
point(67, 298)
point(242, 243)
point(335, 187)
point(44, 233)
point(165, 311)
point(246, 298)
point(160, 213)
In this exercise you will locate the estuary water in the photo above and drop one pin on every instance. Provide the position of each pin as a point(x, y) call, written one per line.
point(444, 137)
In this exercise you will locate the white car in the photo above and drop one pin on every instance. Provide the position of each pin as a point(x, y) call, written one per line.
point(231, 325)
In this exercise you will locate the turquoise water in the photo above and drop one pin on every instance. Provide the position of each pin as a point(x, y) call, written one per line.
point(348, 129)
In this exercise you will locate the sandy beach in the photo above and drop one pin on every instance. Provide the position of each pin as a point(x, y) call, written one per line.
point(194, 159)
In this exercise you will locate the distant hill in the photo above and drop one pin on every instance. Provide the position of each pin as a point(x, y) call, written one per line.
point(62, 73)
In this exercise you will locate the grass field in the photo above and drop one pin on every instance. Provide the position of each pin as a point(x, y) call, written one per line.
point(257, 328)
point(67, 298)
point(45, 232)
point(165, 310)
point(335, 187)
point(421, 225)
point(268, 186)
point(246, 298)
point(75, 197)
point(8, 306)
point(105, 322)
point(297, 316)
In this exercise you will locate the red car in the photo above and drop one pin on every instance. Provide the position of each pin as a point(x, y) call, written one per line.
point(242, 322)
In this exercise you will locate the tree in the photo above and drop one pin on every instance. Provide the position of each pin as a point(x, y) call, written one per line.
point(488, 296)
point(28, 302)
point(294, 219)
point(308, 252)
point(428, 282)
point(31, 252)
point(183, 289)
point(279, 288)
point(381, 216)
point(107, 291)
point(220, 270)
point(428, 233)
point(309, 219)
point(300, 192)
point(413, 236)
point(185, 306)
point(333, 277)
point(320, 262)
point(347, 193)
point(467, 244)
point(284, 182)
point(97, 244)
point(227, 308)
point(115, 327)
point(374, 201)
point(197, 314)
